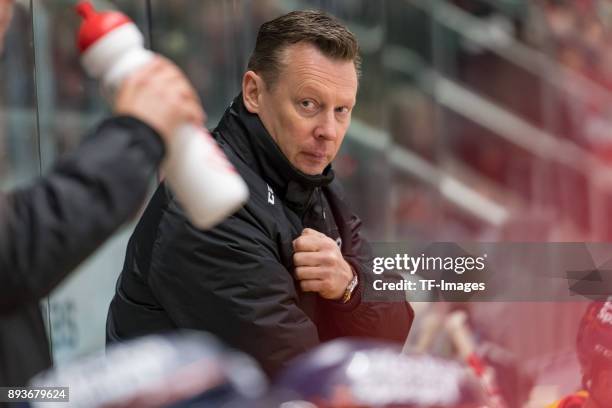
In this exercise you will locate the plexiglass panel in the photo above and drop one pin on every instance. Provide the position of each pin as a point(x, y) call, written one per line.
point(19, 158)
point(457, 135)
point(70, 104)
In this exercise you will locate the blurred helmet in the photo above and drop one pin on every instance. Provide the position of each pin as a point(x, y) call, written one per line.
point(594, 341)
point(360, 373)
point(180, 369)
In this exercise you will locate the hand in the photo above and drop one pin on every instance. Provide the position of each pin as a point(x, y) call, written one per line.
point(160, 95)
point(320, 266)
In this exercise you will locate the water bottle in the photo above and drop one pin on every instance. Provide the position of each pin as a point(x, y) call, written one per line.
point(204, 182)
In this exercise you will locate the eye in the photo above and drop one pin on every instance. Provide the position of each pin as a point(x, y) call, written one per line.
point(343, 110)
point(308, 105)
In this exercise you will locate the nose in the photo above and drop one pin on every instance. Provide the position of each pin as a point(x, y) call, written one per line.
point(326, 128)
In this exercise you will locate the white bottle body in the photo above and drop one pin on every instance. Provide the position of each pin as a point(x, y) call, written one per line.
point(203, 180)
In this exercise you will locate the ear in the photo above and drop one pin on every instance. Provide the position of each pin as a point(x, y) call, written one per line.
point(252, 88)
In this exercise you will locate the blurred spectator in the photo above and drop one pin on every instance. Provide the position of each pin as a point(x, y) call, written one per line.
point(594, 349)
point(358, 373)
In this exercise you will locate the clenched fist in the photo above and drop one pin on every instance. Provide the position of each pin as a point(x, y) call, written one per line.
point(320, 266)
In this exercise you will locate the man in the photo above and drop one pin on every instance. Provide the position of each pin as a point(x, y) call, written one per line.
point(594, 349)
point(47, 229)
point(286, 272)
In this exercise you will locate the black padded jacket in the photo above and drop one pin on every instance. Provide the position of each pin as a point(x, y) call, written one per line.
point(236, 280)
point(48, 228)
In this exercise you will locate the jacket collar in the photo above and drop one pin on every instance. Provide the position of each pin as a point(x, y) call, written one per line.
point(248, 137)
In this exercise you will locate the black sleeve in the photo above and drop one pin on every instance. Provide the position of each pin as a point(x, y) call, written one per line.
point(47, 229)
point(361, 317)
point(229, 281)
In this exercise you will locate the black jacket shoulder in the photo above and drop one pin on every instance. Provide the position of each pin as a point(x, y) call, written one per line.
point(48, 228)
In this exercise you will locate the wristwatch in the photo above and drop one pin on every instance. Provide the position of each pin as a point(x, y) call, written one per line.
point(348, 292)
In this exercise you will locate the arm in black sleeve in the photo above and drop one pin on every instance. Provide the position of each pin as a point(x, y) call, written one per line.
point(229, 281)
point(361, 317)
point(48, 228)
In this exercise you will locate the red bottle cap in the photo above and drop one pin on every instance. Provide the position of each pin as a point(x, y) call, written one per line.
point(95, 25)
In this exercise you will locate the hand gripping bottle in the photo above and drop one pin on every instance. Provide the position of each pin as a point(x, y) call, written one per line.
point(203, 180)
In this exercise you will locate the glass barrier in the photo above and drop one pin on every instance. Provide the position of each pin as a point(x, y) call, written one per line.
point(456, 135)
point(70, 104)
point(19, 156)
point(20, 161)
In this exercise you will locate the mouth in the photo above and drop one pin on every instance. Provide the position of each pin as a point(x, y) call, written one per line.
point(315, 156)
point(312, 162)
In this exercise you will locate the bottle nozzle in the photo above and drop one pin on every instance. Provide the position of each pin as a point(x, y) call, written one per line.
point(96, 25)
point(85, 9)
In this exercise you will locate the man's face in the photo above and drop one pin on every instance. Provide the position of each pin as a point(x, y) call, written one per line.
point(308, 110)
